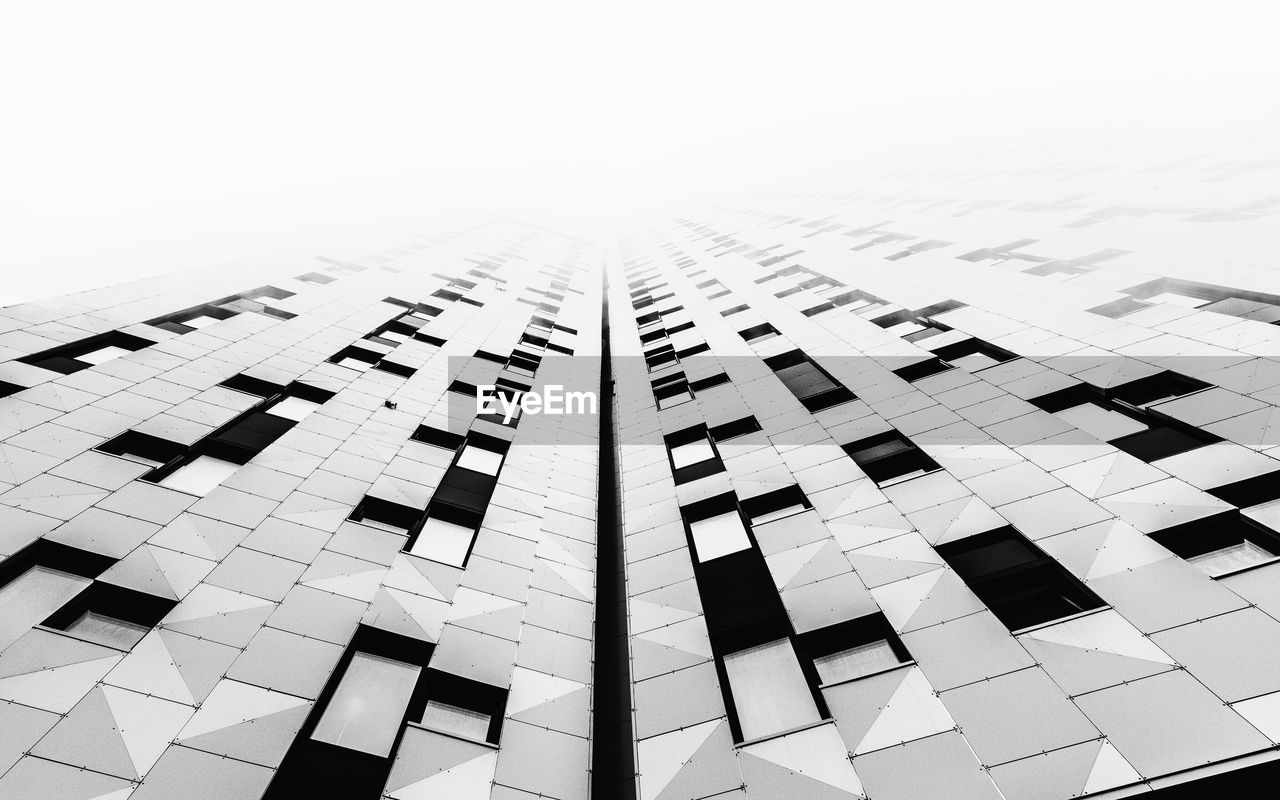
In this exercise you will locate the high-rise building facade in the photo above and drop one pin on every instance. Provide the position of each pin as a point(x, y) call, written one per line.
point(953, 486)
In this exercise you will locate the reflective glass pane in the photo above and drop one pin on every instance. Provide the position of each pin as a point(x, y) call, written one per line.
point(107, 630)
point(691, 453)
point(456, 720)
point(366, 710)
point(105, 354)
point(200, 476)
point(294, 408)
point(1230, 559)
point(480, 460)
point(31, 597)
point(856, 661)
point(719, 536)
point(769, 690)
point(443, 541)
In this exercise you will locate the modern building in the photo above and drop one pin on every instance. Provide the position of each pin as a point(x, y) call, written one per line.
point(956, 485)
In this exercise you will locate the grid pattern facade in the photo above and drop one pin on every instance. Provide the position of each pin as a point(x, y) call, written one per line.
point(975, 480)
point(248, 553)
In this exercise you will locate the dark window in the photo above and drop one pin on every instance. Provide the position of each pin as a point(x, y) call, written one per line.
point(889, 457)
point(758, 332)
point(854, 649)
point(1118, 308)
point(73, 357)
point(250, 385)
point(348, 742)
point(1250, 491)
point(738, 427)
point(921, 369)
point(811, 385)
point(708, 382)
point(7, 388)
point(1155, 389)
point(395, 369)
point(438, 438)
point(728, 312)
point(692, 454)
point(1019, 583)
point(386, 514)
point(1221, 544)
point(1161, 441)
point(973, 354)
point(111, 615)
point(776, 504)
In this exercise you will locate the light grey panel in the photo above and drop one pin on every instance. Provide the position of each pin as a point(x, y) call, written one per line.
point(1236, 655)
point(939, 766)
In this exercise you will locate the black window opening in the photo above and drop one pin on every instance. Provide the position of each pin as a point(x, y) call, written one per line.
point(192, 319)
point(90, 352)
point(767, 687)
point(1142, 433)
point(729, 312)
point(435, 437)
point(758, 333)
point(734, 428)
point(810, 384)
point(1021, 585)
point(671, 390)
point(7, 388)
point(692, 454)
point(54, 585)
point(854, 649)
point(774, 505)
point(922, 369)
point(355, 357)
point(1251, 491)
point(1154, 389)
point(395, 368)
point(200, 467)
point(1222, 544)
point(387, 515)
point(523, 363)
point(973, 355)
point(890, 457)
point(348, 743)
point(661, 357)
point(447, 530)
point(503, 402)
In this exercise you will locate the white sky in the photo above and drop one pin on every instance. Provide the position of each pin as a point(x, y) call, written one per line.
point(145, 137)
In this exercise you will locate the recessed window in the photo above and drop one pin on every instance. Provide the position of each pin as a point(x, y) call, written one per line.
point(1156, 389)
point(1021, 585)
point(718, 536)
point(1099, 422)
point(774, 505)
point(478, 459)
point(456, 720)
point(691, 453)
point(32, 596)
point(1221, 544)
point(769, 689)
point(734, 429)
point(443, 541)
point(386, 514)
point(200, 476)
point(922, 369)
point(812, 386)
point(854, 649)
point(107, 630)
point(294, 408)
point(99, 356)
point(435, 437)
point(143, 448)
point(889, 458)
point(973, 354)
point(369, 704)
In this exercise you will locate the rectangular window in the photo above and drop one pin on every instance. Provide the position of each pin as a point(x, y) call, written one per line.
point(443, 541)
point(1021, 585)
point(769, 690)
point(811, 385)
point(692, 454)
point(200, 476)
point(32, 596)
point(889, 458)
point(1221, 544)
point(774, 505)
point(386, 514)
point(719, 535)
point(1156, 388)
point(973, 354)
point(369, 704)
point(854, 649)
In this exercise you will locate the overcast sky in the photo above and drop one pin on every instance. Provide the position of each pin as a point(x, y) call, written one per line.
point(144, 137)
